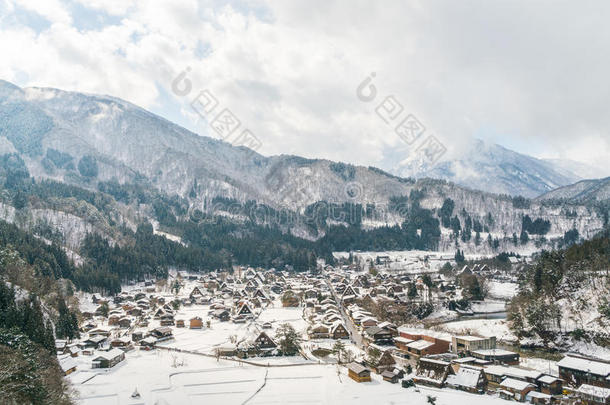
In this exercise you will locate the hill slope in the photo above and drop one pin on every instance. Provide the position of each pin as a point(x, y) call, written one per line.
point(584, 191)
point(490, 167)
point(104, 144)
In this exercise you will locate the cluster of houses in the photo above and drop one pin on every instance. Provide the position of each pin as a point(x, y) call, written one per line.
point(470, 363)
point(474, 364)
point(144, 317)
point(394, 287)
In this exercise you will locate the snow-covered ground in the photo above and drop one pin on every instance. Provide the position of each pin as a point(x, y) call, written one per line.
point(542, 365)
point(487, 307)
point(205, 340)
point(205, 380)
point(483, 327)
point(502, 290)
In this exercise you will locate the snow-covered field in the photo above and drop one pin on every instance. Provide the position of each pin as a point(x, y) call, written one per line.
point(487, 307)
point(484, 327)
point(502, 290)
point(204, 380)
point(207, 339)
point(164, 376)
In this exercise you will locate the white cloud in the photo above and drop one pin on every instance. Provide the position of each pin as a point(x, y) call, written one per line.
point(112, 7)
point(53, 10)
point(289, 70)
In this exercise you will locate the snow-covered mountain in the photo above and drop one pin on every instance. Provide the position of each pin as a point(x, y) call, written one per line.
point(581, 192)
point(129, 142)
point(487, 167)
point(85, 139)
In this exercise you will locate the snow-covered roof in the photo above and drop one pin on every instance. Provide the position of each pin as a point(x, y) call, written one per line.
point(513, 371)
point(67, 363)
point(402, 340)
point(464, 360)
point(536, 394)
point(435, 361)
point(420, 344)
point(109, 355)
point(515, 384)
point(357, 368)
point(465, 377)
point(548, 379)
point(598, 392)
point(589, 366)
point(426, 332)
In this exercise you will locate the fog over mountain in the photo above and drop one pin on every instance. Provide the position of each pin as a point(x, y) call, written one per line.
point(490, 167)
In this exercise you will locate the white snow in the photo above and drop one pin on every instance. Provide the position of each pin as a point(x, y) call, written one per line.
point(205, 380)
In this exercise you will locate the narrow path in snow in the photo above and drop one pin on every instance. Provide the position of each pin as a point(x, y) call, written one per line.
point(258, 390)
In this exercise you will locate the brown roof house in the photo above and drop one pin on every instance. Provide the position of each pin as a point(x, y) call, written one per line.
point(358, 372)
point(432, 372)
point(386, 362)
point(195, 323)
point(515, 389)
point(339, 331)
point(319, 331)
point(263, 341)
point(469, 379)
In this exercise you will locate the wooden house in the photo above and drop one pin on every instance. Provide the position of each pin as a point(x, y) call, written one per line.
point(391, 376)
point(339, 331)
point(121, 342)
point(432, 372)
point(517, 390)
point(319, 331)
point(425, 343)
point(195, 323)
point(550, 385)
point(593, 395)
point(368, 322)
point(222, 315)
point(386, 362)
point(162, 332)
point(576, 370)
point(263, 341)
point(108, 359)
point(113, 320)
point(469, 379)
point(377, 335)
point(167, 320)
point(125, 322)
point(94, 341)
point(68, 365)
point(358, 372)
point(244, 310)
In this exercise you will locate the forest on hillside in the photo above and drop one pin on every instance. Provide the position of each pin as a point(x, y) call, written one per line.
point(565, 294)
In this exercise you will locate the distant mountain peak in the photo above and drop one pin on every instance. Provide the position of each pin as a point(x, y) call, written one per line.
point(485, 166)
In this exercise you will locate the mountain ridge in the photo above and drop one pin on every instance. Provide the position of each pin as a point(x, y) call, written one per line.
point(584, 191)
point(90, 140)
point(489, 167)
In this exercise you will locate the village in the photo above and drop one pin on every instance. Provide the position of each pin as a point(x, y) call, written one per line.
point(340, 321)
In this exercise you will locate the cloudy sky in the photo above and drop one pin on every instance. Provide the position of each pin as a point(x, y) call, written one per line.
point(531, 76)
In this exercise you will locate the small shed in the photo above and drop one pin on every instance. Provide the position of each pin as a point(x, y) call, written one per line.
point(358, 372)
